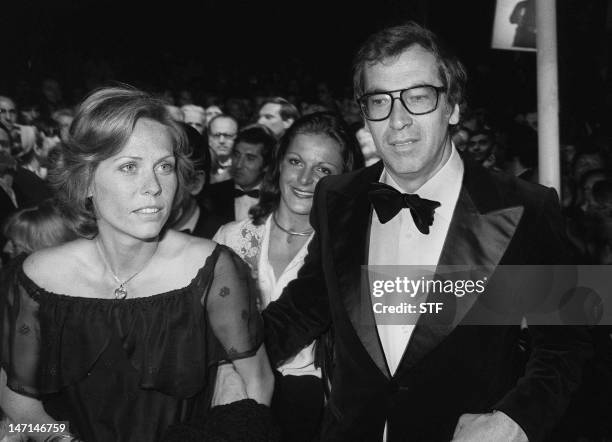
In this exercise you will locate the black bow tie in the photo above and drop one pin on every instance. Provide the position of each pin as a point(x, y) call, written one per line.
point(254, 193)
point(388, 202)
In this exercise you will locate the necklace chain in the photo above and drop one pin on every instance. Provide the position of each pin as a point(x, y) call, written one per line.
point(289, 231)
point(120, 292)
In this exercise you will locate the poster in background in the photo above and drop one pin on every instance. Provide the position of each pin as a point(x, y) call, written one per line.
point(514, 26)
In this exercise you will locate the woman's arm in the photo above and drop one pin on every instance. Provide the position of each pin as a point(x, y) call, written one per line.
point(257, 375)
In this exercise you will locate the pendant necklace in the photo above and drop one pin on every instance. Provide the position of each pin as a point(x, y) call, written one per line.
point(289, 231)
point(121, 291)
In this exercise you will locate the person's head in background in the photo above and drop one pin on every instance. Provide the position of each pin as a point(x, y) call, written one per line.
point(64, 118)
point(277, 114)
point(5, 140)
point(602, 214)
point(200, 158)
point(252, 155)
point(194, 116)
point(460, 137)
point(8, 112)
point(35, 228)
point(176, 113)
point(210, 112)
point(584, 161)
point(480, 145)
point(36, 158)
point(315, 146)
point(221, 132)
point(585, 198)
point(29, 113)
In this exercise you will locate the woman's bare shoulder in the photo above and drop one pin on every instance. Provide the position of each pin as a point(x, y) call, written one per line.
point(56, 265)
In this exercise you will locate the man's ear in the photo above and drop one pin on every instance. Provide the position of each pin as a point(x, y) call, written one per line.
point(454, 116)
point(288, 122)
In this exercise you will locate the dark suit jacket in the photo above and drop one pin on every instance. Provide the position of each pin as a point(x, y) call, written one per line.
point(207, 224)
point(446, 370)
point(29, 188)
point(218, 199)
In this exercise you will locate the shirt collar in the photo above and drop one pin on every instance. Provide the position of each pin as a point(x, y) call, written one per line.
point(443, 187)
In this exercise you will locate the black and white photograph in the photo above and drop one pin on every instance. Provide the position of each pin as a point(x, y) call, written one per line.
point(322, 221)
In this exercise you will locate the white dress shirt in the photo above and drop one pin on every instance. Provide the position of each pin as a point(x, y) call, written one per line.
point(243, 204)
point(399, 242)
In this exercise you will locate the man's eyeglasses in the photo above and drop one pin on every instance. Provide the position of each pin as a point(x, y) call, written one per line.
point(417, 100)
point(219, 135)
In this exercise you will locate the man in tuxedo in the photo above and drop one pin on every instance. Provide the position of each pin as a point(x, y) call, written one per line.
point(231, 200)
point(423, 205)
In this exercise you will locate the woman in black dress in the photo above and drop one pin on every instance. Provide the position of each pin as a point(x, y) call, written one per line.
point(120, 332)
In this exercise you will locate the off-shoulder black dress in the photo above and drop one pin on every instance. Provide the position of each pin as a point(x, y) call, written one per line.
point(125, 370)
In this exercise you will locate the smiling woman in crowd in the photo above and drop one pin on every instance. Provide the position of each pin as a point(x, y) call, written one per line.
point(274, 242)
point(120, 331)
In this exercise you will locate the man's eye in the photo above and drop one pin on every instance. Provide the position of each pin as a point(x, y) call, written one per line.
point(378, 100)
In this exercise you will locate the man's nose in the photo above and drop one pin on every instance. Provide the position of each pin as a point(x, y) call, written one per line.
point(400, 117)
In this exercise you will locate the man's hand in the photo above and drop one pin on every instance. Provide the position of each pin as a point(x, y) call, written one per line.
point(492, 427)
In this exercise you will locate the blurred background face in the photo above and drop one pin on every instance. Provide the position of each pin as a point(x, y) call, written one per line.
point(479, 147)
point(5, 143)
point(195, 119)
point(222, 135)
point(210, 112)
point(8, 113)
point(309, 158)
point(247, 165)
point(133, 190)
point(269, 116)
point(64, 122)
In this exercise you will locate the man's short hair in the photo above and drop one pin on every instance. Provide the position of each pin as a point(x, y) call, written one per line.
point(287, 109)
point(393, 41)
point(258, 134)
point(220, 116)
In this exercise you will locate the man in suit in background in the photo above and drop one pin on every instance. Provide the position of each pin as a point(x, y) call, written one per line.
point(426, 381)
point(231, 200)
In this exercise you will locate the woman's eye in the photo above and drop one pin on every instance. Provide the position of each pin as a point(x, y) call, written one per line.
point(166, 167)
point(294, 161)
point(325, 170)
point(129, 168)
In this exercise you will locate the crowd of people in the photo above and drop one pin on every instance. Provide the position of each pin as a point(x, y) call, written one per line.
point(175, 270)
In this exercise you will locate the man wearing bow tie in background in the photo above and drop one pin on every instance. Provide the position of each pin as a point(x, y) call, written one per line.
point(231, 200)
point(422, 382)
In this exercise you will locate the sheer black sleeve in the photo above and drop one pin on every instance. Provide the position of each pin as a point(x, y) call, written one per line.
point(20, 333)
point(231, 306)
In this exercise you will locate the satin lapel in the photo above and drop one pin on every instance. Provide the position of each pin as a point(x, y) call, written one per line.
point(349, 221)
point(474, 238)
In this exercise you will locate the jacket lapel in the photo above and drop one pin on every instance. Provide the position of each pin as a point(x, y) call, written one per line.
point(349, 221)
point(479, 234)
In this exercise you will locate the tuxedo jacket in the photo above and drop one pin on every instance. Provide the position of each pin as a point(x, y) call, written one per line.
point(218, 199)
point(446, 370)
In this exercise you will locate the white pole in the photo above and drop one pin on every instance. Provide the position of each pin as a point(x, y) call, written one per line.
point(548, 94)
